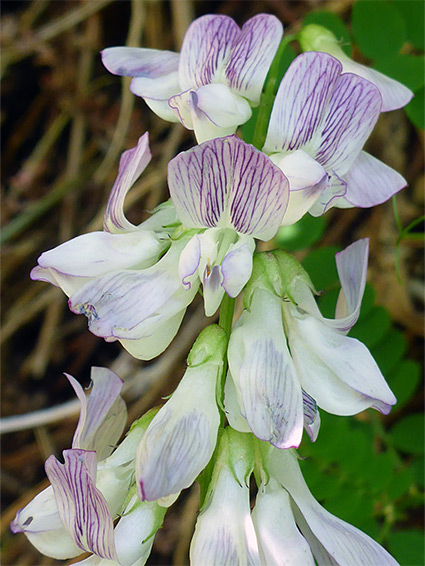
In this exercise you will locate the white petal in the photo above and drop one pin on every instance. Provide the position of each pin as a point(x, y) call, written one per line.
point(311, 416)
point(346, 545)
point(236, 266)
point(265, 377)
point(371, 182)
point(82, 508)
point(224, 532)
point(68, 283)
point(307, 180)
point(140, 62)
point(132, 163)
point(394, 94)
point(337, 371)
point(40, 522)
point(189, 261)
point(153, 344)
point(333, 195)
point(232, 408)
point(280, 541)
point(206, 49)
point(103, 414)
point(252, 56)
point(213, 290)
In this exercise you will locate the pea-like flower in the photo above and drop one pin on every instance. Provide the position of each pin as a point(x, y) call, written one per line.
point(321, 119)
point(211, 85)
point(292, 527)
point(281, 349)
point(233, 193)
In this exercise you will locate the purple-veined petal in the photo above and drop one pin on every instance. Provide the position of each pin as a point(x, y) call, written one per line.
point(184, 105)
point(236, 266)
point(206, 49)
point(301, 101)
point(311, 416)
point(103, 413)
point(371, 182)
point(228, 183)
point(394, 94)
point(224, 532)
point(265, 377)
point(130, 304)
point(344, 544)
point(41, 524)
point(333, 195)
point(337, 371)
point(82, 508)
point(132, 163)
point(181, 438)
point(352, 112)
point(252, 55)
point(307, 181)
point(279, 540)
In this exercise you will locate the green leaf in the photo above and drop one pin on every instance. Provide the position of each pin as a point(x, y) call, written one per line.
point(408, 69)
point(418, 470)
point(389, 351)
point(303, 234)
point(413, 14)
point(404, 380)
point(400, 484)
point(327, 302)
point(373, 327)
point(333, 23)
point(408, 434)
point(377, 28)
point(415, 109)
point(408, 547)
point(320, 265)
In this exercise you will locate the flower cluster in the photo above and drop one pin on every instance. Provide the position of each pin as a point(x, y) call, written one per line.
point(281, 360)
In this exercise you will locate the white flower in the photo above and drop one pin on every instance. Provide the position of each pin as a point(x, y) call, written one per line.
point(212, 84)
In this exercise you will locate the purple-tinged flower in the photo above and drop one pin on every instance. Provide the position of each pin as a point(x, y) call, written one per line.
point(320, 120)
point(284, 356)
point(224, 532)
point(394, 94)
point(181, 438)
point(234, 193)
point(114, 276)
point(51, 520)
point(211, 85)
point(331, 540)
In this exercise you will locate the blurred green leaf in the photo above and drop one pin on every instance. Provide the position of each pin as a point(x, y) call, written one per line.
point(408, 69)
point(333, 23)
point(327, 302)
point(418, 470)
point(367, 301)
point(412, 12)
point(404, 380)
point(377, 28)
point(408, 547)
point(373, 327)
point(415, 109)
point(303, 234)
point(400, 484)
point(320, 265)
point(408, 434)
point(389, 351)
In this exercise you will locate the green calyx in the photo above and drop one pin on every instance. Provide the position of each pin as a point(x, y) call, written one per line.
point(317, 38)
point(276, 272)
point(209, 347)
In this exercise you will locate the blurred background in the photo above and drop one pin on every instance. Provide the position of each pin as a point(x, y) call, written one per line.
point(65, 122)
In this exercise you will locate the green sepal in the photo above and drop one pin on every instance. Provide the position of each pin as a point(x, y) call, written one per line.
point(313, 37)
point(209, 347)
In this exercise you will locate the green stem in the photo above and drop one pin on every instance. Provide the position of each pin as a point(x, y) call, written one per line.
point(227, 308)
point(267, 98)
